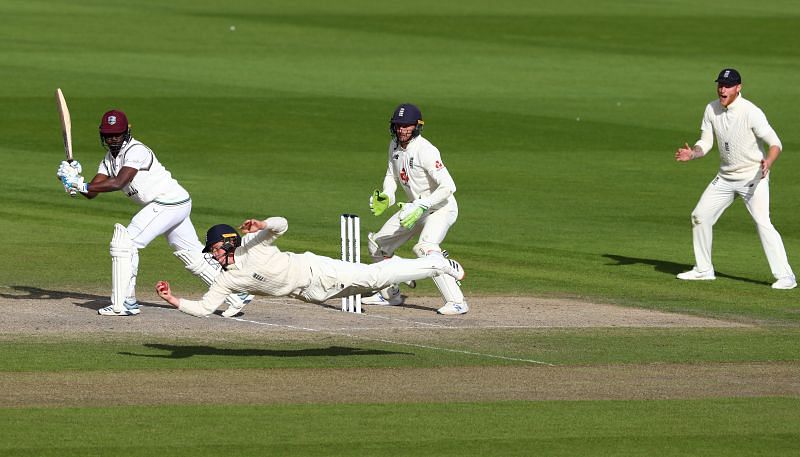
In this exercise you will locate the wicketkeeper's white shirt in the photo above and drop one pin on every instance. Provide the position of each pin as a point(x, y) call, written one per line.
point(741, 130)
point(152, 182)
point(419, 168)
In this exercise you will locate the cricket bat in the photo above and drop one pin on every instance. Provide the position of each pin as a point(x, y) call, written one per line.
point(66, 124)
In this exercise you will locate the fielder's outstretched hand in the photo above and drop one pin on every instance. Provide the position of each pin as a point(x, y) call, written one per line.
point(163, 291)
point(252, 226)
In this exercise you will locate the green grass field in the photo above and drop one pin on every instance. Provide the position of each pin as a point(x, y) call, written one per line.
point(558, 122)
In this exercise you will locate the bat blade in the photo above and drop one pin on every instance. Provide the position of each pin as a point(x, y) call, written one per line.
point(66, 124)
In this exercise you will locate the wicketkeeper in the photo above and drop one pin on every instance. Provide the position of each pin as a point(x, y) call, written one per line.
point(254, 264)
point(431, 209)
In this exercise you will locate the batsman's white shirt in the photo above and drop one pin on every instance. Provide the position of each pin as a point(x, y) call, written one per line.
point(742, 130)
point(152, 183)
point(420, 170)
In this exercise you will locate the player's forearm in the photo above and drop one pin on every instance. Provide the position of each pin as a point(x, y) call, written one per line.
point(697, 151)
point(773, 153)
point(390, 188)
point(194, 308)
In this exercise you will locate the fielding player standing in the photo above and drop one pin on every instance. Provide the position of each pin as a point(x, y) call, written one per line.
point(742, 131)
point(253, 263)
point(417, 165)
point(131, 167)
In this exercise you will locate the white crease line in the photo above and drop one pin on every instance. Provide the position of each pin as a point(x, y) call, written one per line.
point(401, 343)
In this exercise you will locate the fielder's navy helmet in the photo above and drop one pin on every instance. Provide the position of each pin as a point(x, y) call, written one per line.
point(406, 114)
point(225, 233)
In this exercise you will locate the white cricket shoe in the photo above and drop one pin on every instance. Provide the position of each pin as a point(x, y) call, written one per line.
point(451, 308)
point(389, 296)
point(131, 309)
point(695, 275)
point(235, 305)
point(789, 282)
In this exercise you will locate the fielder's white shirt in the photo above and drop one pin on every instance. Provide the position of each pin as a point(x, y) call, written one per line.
point(741, 130)
point(421, 172)
point(152, 182)
point(260, 268)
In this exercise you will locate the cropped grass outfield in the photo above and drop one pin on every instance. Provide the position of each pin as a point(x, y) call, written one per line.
point(558, 121)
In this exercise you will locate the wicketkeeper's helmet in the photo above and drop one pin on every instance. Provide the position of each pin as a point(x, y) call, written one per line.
point(406, 114)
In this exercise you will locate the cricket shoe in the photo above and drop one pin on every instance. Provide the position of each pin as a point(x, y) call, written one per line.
point(451, 308)
point(389, 296)
point(695, 275)
point(788, 282)
point(236, 302)
point(131, 309)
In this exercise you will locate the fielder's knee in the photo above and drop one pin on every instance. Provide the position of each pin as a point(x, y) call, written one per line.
point(423, 248)
point(375, 250)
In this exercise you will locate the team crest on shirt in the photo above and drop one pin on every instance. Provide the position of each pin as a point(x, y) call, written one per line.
point(439, 165)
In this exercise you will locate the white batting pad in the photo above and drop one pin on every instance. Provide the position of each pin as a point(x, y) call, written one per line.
point(449, 288)
point(121, 249)
point(204, 266)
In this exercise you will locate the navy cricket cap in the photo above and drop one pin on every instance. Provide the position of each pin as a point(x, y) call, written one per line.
point(729, 76)
point(221, 232)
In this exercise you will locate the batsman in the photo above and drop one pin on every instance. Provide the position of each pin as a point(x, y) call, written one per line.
point(431, 210)
point(132, 168)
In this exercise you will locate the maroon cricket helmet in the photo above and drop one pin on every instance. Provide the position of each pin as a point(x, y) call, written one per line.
point(114, 122)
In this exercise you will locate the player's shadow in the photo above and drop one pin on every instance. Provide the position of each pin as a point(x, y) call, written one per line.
point(670, 268)
point(83, 300)
point(184, 352)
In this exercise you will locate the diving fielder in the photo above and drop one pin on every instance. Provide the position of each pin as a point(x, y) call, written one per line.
point(417, 166)
point(254, 264)
point(131, 167)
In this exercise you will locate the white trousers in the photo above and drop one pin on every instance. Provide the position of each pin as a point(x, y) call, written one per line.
point(431, 228)
point(717, 197)
point(154, 219)
point(331, 278)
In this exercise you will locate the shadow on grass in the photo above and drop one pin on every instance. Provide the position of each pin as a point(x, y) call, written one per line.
point(90, 301)
point(670, 268)
point(184, 352)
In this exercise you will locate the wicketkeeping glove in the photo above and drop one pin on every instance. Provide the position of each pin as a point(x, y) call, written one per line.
point(378, 202)
point(410, 213)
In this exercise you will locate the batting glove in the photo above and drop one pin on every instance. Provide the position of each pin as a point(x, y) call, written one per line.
point(66, 169)
point(75, 184)
point(378, 202)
